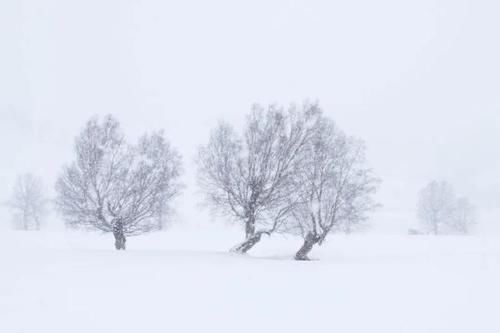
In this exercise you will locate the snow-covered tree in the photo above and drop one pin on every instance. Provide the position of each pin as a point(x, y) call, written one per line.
point(249, 176)
point(436, 206)
point(117, 187)
point(28, 203)
point(333, 186)
point(440, 212)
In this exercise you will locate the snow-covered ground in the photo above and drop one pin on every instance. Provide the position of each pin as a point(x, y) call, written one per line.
point(185, 281)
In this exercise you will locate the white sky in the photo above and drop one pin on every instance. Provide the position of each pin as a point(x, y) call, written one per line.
point(418, 80)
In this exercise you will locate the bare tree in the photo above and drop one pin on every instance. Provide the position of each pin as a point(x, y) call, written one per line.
point(436, 207)
point(117, 187)
point(249, 176)
point(28, 202)
point(333, 186)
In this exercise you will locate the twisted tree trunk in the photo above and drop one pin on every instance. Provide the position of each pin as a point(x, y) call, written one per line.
point(248, 243)
point(309, 241)
point(119, 234)
point(251, 236)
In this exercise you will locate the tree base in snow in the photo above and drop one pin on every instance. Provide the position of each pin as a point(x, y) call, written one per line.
point(309, 242)
point(299, 258)
point(249, 243)
point(120, 242)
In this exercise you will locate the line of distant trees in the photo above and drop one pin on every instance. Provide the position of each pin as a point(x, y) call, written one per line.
point(290, 170)
point(440, 211)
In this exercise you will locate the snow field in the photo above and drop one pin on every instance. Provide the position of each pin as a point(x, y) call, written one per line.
point(185, 281)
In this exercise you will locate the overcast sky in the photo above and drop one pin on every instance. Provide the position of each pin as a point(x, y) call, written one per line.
point(419, 81)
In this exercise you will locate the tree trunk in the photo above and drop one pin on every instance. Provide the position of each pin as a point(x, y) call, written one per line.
point(119, 234)
point(247, 244)
point(251, 237)
point(250, 227)
point(309, 242)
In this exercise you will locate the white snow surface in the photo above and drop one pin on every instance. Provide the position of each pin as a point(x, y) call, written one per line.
point(184, 280)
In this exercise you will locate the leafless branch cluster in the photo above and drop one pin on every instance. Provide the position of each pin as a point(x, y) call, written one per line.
point(117, 187)
point(290, 171)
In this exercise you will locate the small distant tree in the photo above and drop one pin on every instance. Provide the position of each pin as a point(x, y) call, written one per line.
point(117, 187)
point(249, 176)
point(28, 203)
point(333, 186)
point(436, 206)
point(440, 212)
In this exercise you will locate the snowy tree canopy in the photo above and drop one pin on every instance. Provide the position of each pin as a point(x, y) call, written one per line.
point(290, 171)
point(333, 186)
point(249, 175)
point(117, 187)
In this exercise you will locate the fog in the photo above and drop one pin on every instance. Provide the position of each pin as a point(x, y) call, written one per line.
point(418, 81)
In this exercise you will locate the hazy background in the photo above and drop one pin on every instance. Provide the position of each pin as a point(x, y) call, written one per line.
point(418, 80)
